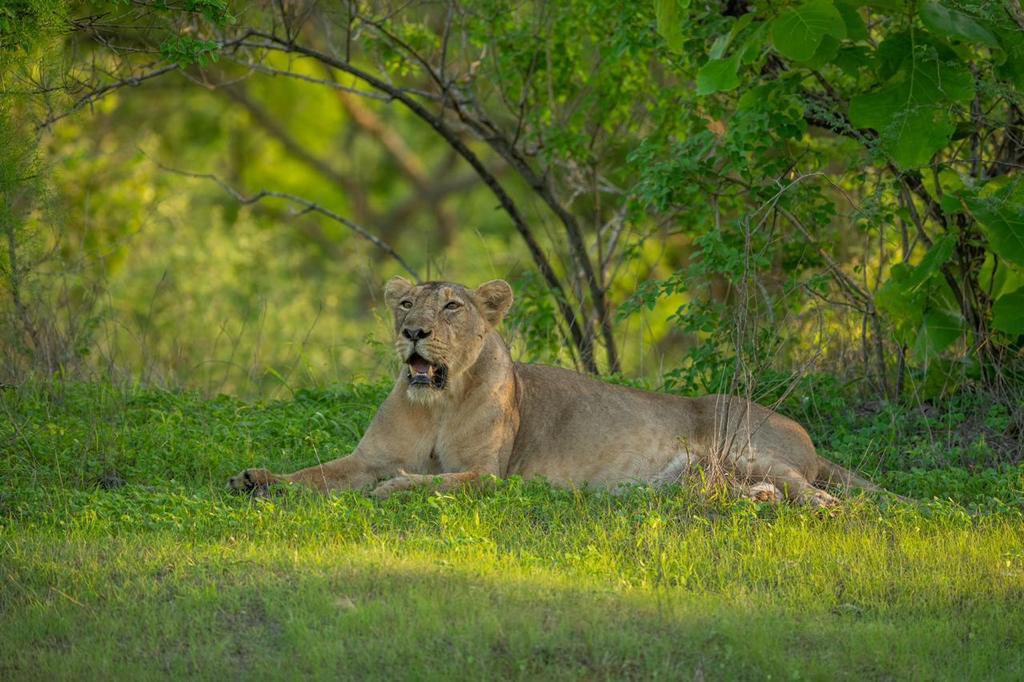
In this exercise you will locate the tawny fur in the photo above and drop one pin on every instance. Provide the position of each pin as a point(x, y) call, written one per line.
point(500, 418)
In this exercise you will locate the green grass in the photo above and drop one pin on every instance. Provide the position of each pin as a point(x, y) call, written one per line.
point(122, 556)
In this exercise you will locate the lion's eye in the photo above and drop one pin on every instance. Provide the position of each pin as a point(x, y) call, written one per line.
point(452, 305)
point(405, 305)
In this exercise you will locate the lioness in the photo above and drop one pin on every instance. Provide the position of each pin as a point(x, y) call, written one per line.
point(461, 409)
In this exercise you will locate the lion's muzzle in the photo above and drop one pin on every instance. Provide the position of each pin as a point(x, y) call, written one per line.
point(421, 372)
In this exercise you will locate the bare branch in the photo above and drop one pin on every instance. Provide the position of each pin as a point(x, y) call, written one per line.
point(307, 207)
point(846, 283)
point(293, 147)
point(271, 71)
point(432, 194)
point(540, 184)
point(411, 166)
point(130, 81)
point(438, 124)
point(102, 92)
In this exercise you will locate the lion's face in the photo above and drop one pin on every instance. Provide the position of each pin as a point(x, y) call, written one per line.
point(440, 328)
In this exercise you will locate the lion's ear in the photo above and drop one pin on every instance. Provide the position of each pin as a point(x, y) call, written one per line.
point(395, 289)
point(495, 298)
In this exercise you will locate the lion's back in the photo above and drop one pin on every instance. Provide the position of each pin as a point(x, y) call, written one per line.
point(575, 428)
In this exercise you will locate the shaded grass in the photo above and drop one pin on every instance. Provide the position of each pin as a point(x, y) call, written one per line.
point(166, 574)
point(150, 605)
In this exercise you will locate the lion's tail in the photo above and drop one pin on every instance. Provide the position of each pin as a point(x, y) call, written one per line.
point(833, 474)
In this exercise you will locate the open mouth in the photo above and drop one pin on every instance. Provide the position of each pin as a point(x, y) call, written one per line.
point(423, 373)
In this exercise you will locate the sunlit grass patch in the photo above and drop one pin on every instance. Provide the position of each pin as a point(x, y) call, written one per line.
point(515, 582)
point(110, 569)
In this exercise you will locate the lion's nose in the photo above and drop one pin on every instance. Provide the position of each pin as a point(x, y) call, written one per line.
point(415, 334)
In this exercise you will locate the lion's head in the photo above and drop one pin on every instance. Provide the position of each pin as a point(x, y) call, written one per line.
point(440, 329)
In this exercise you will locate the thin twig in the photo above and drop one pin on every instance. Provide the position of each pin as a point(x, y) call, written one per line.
point(442, 128)
point(308, 207)
point(102, 92)
point(131, 81)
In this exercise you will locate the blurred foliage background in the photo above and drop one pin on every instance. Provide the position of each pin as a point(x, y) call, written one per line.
point(696, 196)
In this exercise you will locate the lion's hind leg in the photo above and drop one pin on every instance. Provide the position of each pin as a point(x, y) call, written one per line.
point(760, 492)
point(795, 486)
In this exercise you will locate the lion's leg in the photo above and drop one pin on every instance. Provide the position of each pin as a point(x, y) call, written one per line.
point(438, 482)
point(252, 480)
point(344, 473)
point(795, 486)
point(759, 492)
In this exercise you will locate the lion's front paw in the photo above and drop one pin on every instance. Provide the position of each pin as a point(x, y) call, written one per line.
point(251, 480)
point(394, 485)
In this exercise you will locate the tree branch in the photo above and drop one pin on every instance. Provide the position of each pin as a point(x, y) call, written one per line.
point(540, 184)
point(292, 146)
point(308, 207)
point(571, 317)
point(132, 81)
point(408, 163)
point(854, 291)
point(102, 92)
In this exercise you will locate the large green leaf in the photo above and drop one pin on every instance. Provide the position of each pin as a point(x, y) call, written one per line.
point(905, 294)
point(1008, 313)
point(911, 111)
point(827, 50)
point(951, 23)
point(894, 298)
point(669, 17)
point(1002, 219)
point(718, 75)
point(856, 29)
point(938, 330)
point(852, 59)
point(723, 41)
point(797, 33)
point(937, 256)
point(753, 44)
point(1012, 68)
point(910, 134)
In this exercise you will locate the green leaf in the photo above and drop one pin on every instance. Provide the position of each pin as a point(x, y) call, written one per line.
point(905, 294)
point(886, 5)
point(718, 75)
point(741, 24)
point(911, 111)
point(669, 17)
point(938, 330)
point(1012, 69)
point(186, 50)
point(827, 50)
point(952, 23)
point(1002, 219)
point(893, 53)
point(856, 29)
point(1008, 313)
point(937, 256)
point(797, 33)
point(720, 45)
point(753, 44)
point(852, 59)
point(893, 297)
point(911, 136)
point(217, 11)
point(950, 204)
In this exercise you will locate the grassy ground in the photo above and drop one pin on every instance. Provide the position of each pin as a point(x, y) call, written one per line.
point(121, 555)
